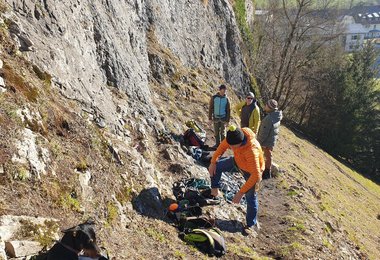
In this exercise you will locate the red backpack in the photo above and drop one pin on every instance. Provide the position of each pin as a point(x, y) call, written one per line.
point(192, 139)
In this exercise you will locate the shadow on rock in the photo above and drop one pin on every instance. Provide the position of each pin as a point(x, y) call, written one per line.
point(149, 203)
point(232, 226)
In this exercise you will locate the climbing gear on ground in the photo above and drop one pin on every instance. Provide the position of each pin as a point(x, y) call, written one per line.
point(209, 241)
point(202, 156)
point(196, 191)
point(196, 152)
point(230, 184)
point(183, 207)
point(196, 229)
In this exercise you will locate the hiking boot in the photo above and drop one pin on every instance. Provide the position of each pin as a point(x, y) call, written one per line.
point(266, 174)
point(257, 227)
point(249, 231)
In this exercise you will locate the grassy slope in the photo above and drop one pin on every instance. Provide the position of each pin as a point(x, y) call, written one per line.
point(332, 191)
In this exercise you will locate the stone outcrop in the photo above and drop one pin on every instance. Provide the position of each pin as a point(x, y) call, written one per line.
point(31, 156)
point(14, 228)
point(2, 82)
point(92, 47)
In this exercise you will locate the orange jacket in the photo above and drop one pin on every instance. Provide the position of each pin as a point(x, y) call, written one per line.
point(248, 157)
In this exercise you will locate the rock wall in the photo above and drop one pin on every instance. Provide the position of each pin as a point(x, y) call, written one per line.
point(92, 47)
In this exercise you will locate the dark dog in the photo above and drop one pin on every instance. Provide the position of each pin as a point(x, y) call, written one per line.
point(77, 239)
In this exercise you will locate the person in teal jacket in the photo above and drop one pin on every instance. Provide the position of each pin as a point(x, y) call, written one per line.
point(249, 113)
point(219, 113)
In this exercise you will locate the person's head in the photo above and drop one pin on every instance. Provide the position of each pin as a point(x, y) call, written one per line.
point(271, 105)
point(222, 89)
point(235, 137)
point(249, 98)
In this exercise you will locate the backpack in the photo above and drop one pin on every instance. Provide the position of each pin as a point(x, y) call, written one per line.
point(209, 241)
point(196, 191)
point(192, 139)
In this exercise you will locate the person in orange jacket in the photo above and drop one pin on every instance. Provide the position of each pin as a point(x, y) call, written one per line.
point(248, 158)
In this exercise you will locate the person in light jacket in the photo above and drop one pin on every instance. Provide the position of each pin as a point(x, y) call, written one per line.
point(268, 133)
point(249, 113)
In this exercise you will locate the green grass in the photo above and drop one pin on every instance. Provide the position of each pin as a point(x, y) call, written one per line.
point(156, 235)
point(292, 193)
point(112, 213)
point(22, 173)
point(328, 229)
point(179, 254)
point(241, 14)
point(298, 227)
point(346, 197)
point(244, 251)
point(68, 202)
point(82, 165)
point(124, 195)
point(289, 249)
point(44, 234)
point(327, 243)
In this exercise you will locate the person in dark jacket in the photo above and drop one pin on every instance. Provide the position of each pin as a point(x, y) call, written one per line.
point(268, 133)
point(219, 113)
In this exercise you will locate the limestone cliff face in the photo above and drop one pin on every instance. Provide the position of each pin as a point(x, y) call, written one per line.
point(92, 47)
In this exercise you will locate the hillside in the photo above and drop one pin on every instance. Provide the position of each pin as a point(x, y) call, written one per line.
point(73, 148)
point(316, 207)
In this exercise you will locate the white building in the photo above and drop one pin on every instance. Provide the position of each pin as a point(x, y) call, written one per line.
point(361, 24)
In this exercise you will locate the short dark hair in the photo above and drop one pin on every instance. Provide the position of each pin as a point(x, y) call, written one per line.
point(222, 87)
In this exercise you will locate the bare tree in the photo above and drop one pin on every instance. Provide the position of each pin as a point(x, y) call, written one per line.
point(290, 37)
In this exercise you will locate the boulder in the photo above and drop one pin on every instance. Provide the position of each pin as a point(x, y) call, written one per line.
point(84, 181)
point(29, 153)
point(22, 248)
point(10, 225)
point(2, 85)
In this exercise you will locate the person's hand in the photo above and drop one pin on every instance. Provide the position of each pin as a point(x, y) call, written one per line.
point(212, 169)
point(237, 197)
